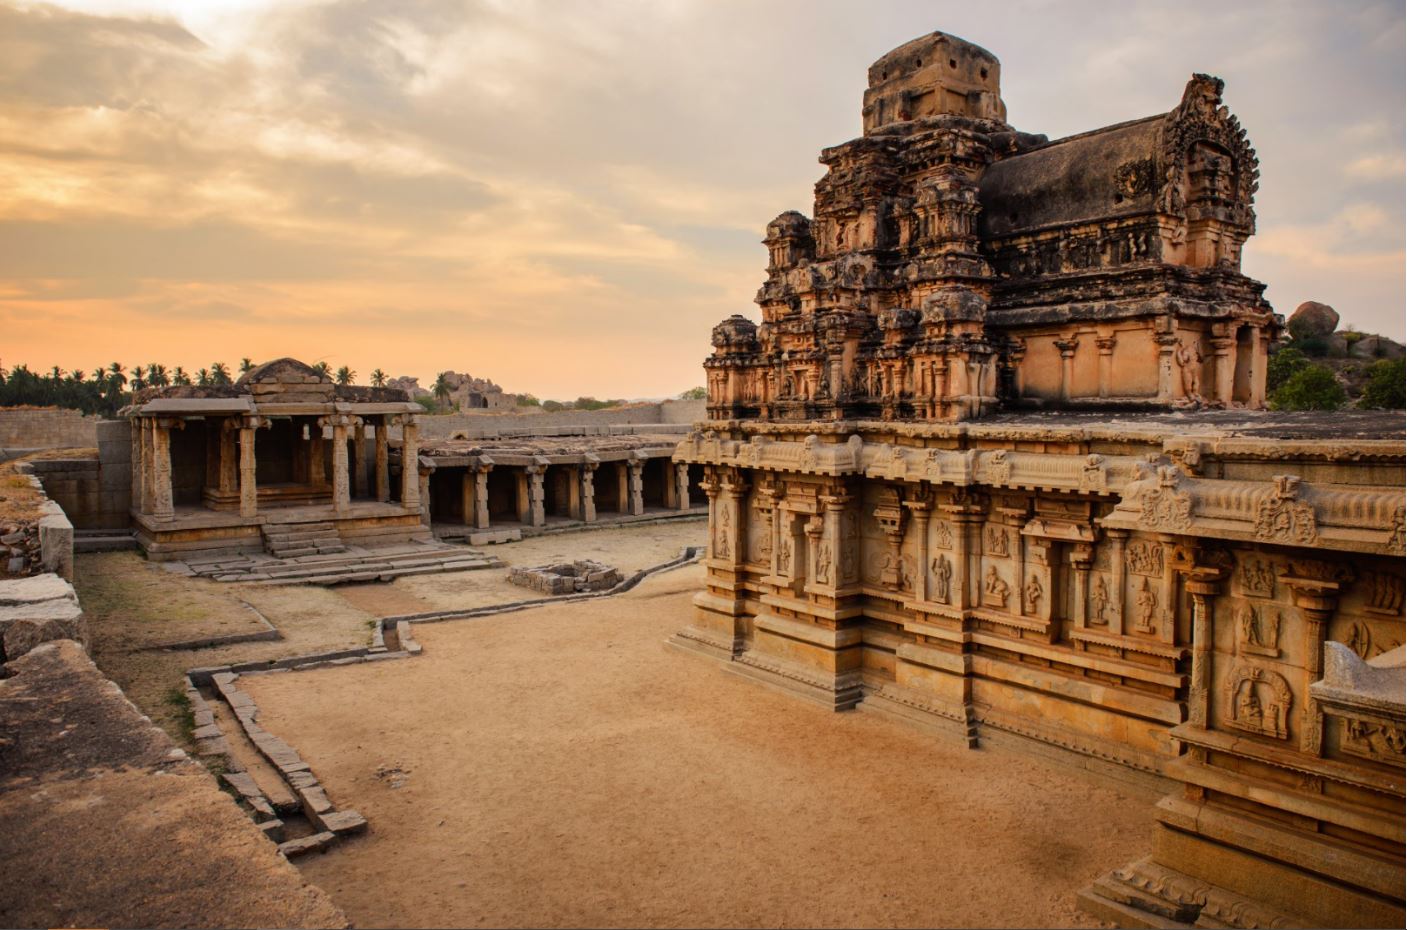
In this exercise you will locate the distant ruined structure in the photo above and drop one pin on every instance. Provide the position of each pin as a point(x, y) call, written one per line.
point(991, 462)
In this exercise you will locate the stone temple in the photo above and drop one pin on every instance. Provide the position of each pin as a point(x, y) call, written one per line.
point(994, 462)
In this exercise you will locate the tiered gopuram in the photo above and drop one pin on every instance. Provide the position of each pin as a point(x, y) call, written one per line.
point(978, 467)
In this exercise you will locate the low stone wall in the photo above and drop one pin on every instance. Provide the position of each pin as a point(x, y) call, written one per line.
point(95, 492)
point(25, 429)
point(40, 543)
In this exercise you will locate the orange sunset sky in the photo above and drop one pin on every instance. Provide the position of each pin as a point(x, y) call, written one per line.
point(565, 197)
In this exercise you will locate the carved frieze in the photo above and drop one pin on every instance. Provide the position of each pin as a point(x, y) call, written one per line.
point(1258, 629)
point(1256, 577)
point(1257, 701)
point(1145, 558)
point(1282, 517)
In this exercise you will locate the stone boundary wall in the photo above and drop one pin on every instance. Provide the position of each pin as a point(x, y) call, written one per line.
point(672, 411)
point(30, 428)
point(52, 531)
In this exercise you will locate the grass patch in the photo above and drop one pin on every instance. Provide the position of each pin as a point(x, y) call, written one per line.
point(180, 704)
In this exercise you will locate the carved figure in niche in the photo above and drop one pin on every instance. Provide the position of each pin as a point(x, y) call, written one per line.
point(995, 590)
point(1257, 638)
point(944, 534)
point(1282, 516)
point(1147, 603)
point(997, 542)
point(823, 563)
point(1189, 358)
point(1258, 578)
point(1145, 558)
point(1034, 593)
point(942, 578)
point(906, 573)
point(1099, 600)
point(725, 531)
point(1258, 701)
point(784, 557)
point(764, 537)
point(1373, 740)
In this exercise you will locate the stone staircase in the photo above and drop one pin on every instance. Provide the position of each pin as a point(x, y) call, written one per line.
point(103, 540)
point(293, 540)
point(382, 563)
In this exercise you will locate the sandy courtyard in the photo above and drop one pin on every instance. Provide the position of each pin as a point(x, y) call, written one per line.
point(563, 767)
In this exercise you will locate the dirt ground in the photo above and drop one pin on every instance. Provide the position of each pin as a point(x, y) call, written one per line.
point(562, 767)
point(132, 604)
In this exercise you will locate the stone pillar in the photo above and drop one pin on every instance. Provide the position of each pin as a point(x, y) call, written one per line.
point(317, 446)
point(588, 488)
point(537, 510)
point(138, 463)
point(636, 471)
point(410, 465)
point(1106, 363)
point(148, 464)
point(918, 513)
point(1067, 365)
point(248, 484)
point(710, 486)
point(466, 497)
point(229, 456)
point(360, 485)
point(681, 483)
point(1203, 596)
point(1168, 384)
point(341, 480)
point(524, 500)
point(163, 505)
point(728, 547)
point(1081, 557)
point(422, 477)
point(481, 493)
point(1224, 364)
point(383, 467)
point(671, 487)
point(622, 488)
point(574, 498)
point(1117, 538)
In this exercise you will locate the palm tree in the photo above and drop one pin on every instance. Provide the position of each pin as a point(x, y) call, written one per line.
point(179, 376)
point(441, 389)
point(115, 375)
point(323, 368)
point(77, 375)
point(220, 373)
point(100, 374)
point(378, 378)
point(57, 373)
point(202, 378)
point(245, 364)
point(345, 375)
point(138, 382)
point(156, 375)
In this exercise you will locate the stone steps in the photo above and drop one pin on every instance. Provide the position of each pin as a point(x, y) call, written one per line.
point(379, 564)
point(293, 540)
point(103, 540)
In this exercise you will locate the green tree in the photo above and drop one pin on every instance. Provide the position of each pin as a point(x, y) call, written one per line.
point(552, 406)
point(157, 376)
point(378, 378)
point(220, 374)
point(116, 375)
point(1385, 387)
point(441, 389)
point(323, 368)
point(695, 393)
point(428, 403)
point(202, 378)
point(1310, 388)
point(345, 375)
point(527, 400)
point(245, 365)
point(77, 375)
point(179, 376)
point(139, 378)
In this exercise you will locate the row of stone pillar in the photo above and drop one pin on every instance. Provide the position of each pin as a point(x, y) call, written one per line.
point(531, 491)
point(152, 492)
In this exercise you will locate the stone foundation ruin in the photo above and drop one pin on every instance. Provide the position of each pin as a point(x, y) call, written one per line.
point(577, 577)
point(1206, 596)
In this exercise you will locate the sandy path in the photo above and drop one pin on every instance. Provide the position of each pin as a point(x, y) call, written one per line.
point(565, 768)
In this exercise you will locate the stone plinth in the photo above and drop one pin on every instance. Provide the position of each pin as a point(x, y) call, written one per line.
point(567, 577)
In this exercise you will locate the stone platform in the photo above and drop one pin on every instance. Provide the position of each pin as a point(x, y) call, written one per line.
point(351, 565)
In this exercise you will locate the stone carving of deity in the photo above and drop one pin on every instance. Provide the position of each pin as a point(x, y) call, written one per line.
point(1099, 599)
point(995, 589)
point(1034, 593)
point(1189, 359)
point(942, 578)
point(1147, 603)
point(823, 563)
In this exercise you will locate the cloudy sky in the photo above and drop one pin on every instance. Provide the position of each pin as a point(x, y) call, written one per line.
point(566, 196)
